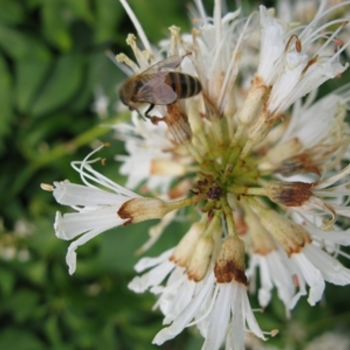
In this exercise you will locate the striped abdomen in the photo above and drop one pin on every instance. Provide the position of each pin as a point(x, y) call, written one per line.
point(183, 84)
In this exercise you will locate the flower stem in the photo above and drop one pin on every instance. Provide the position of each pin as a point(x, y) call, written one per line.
point(185, 202)
point(253, 191)
point(231, 227)
point(214, 224)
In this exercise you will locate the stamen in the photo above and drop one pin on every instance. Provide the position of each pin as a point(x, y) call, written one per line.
point(84, 168)
point(47, 187)
point(233, 62)
point(210, 308)
point(137, 25)
point(322, 14)
point(217, 24)
point(201, 10)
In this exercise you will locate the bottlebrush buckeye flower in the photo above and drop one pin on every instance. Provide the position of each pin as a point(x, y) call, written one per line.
point(262, 160)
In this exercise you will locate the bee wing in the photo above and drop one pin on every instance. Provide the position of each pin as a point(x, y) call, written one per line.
point(156, 91)
point(169, 63)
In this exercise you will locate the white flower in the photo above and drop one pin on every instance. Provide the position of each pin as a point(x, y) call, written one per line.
point(272, 47)
point(97, 209)
point(100, 105)
point(261, 159)
point(274, 272)
point(316, 137)
point(232, 300)
point(96, 213)
point(308, 262)
point(302, 72)
point(219, 310)
point(145, 144)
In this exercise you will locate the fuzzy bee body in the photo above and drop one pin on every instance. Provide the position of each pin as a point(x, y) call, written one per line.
point(159, 85)
point(184, 85)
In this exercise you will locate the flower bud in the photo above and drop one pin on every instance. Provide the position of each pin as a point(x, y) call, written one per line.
point(166, 167)
point(253, 102)
point(140, 209)
point(289, 234)
point(261, 127)
point(283, 151)
point(262, 240)
point(290, 194)
point(201, 257)
point(184, 250)
point(230, 265)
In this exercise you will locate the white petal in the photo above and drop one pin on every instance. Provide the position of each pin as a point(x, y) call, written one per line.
point(339, 237)
point(146, 263)
point(67, 193)
point(272, 46)
point(154, 277)
point(248, 313)
point(219, 319)
point(298, 295)
point(281, 276)
point(181, 297)
point(235, 338)
point(71, 225)
point(312, 276)
point(331, 269)
point(71, 257)
point(266, 283)
point(184, 318)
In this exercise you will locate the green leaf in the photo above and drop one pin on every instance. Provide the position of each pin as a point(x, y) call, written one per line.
point(63, 84)
point(7, 281)
point(156, 26)
point(11, 12)
point(12, 338)
point(23, 304)
point(21, 45)
point(30, 75)
point(53, 330)
point(56, 28)
point(35, 272)
point(5, 98)
point(108, 14)
point(81, 9)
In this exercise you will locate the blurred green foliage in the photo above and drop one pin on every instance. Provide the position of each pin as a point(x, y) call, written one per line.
point(52, 67)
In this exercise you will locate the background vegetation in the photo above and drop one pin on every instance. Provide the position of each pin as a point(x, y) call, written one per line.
point(52, 68)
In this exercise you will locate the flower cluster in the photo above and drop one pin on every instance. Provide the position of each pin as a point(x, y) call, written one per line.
point(263, 161)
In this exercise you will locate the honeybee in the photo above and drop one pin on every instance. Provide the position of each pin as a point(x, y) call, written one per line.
point(159, 85)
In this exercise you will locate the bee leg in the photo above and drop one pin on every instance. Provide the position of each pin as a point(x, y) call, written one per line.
point(148, 110)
